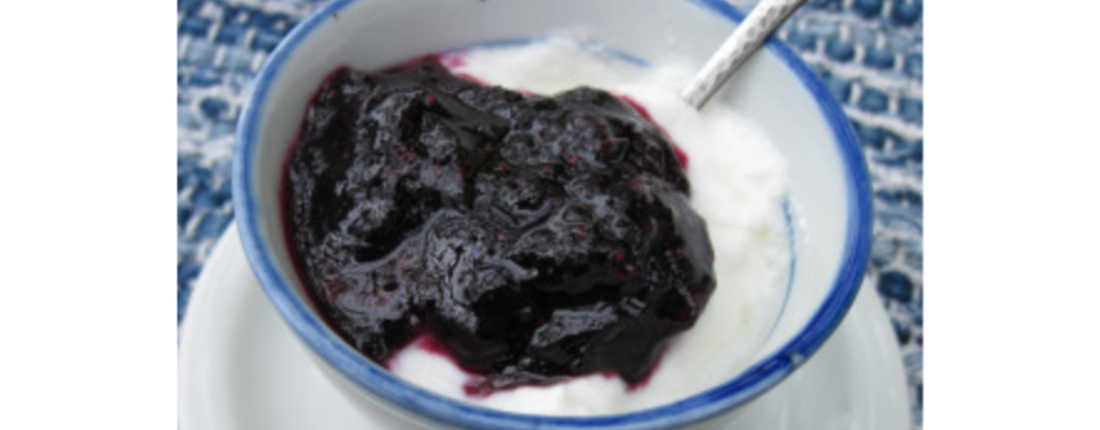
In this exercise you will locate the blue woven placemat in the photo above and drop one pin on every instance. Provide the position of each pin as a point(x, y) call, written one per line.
point(868, 52)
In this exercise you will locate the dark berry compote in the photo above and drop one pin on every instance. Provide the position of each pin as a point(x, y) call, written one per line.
point(536, 238)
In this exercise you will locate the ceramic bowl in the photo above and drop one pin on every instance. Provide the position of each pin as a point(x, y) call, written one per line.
point(828, 178)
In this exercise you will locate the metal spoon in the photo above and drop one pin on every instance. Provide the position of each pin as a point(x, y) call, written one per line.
point(746, 38)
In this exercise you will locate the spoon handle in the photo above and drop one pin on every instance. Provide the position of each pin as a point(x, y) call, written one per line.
point(746, 38)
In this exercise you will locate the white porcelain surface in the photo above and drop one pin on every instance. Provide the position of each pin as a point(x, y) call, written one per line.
point(242, 368)
point(362, 35)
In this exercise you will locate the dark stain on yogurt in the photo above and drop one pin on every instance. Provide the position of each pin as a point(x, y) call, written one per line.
point(530, 238)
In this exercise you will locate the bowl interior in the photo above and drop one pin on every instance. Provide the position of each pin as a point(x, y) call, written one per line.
point(827, 180)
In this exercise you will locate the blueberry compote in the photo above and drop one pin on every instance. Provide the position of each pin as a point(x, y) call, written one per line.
point(536, 238)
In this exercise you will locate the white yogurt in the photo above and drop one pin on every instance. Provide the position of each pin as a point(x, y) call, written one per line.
point(738, 183)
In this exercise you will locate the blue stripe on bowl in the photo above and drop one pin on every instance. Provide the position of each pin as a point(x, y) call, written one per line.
point(792, 265)
point(373, 378)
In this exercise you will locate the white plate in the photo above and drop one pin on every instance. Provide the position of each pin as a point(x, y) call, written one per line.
point(240, 367)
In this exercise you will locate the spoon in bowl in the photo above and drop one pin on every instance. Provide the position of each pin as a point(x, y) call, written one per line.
point(738, 47)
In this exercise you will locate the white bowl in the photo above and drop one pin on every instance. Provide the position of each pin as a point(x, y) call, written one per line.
point(827, 177)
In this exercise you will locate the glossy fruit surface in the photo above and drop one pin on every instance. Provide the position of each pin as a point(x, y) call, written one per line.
point(536, 238)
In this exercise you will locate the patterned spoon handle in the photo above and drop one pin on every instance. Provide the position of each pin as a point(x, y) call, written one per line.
point(746, 38)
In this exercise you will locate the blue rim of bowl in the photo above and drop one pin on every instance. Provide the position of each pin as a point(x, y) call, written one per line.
point(750, 383)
